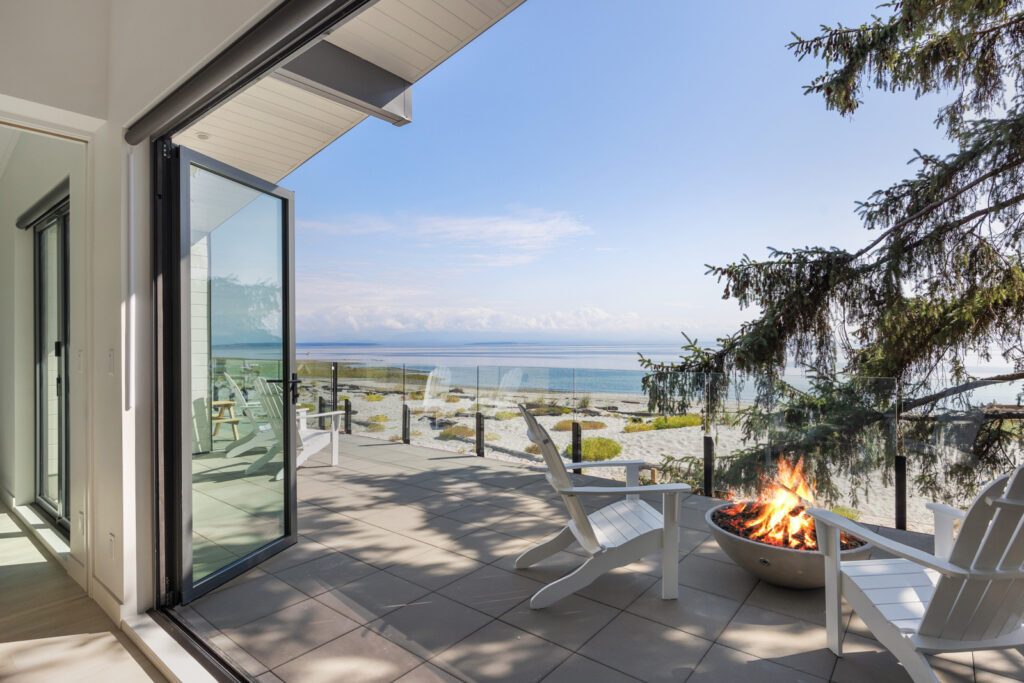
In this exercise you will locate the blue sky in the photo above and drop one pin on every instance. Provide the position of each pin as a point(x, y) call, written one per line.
point(567, 175)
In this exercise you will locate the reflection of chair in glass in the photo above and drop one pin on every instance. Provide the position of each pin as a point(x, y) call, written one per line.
point(968, 596)
point(309, 440)
point(202, 436)
point(614, 536)
point(260, 435)
point(438, 382)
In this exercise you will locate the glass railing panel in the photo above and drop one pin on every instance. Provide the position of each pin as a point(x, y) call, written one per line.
point(315, 384)
point(375, 392)
point(958, 443)
point(441, 402)
point(237, 411)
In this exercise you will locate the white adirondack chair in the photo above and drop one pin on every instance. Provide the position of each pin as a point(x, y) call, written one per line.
point(309, 440)
point(261, 434)
point(614, 536)
point(968, 596)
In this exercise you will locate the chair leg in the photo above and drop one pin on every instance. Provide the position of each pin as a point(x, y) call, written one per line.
point(570, 583)
point(916, 665)
point(546, 548)
point(263, 460)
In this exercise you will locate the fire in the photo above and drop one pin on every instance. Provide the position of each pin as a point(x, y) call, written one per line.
point(778, 516)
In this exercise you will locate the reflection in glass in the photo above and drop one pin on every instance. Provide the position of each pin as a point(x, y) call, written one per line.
point(238, 494)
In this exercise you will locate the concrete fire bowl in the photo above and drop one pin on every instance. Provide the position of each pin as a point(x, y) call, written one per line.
point(786, 567)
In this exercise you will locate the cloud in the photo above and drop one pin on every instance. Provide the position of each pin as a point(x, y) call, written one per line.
point(351, 225)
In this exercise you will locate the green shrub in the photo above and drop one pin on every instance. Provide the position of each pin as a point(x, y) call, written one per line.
point(416, 396)
point(448, 398)
point(566, 425)
point(449, 433)
point(598, 448)
point(375, 427)
point(533, 448)
point(344, 397)
point(545, 409)
point(583, 402)
point(492, 436)
point(374, 397)
point(506, 415)
point(378, 418)
point(664, 422)
point(308, 406)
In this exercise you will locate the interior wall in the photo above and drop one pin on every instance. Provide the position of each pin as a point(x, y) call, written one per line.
point(35, 164)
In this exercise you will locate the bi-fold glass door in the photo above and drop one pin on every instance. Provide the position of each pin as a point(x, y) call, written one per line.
point(235, 448)
point(51, 343)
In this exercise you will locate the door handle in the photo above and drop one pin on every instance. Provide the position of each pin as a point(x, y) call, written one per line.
point(293, 383)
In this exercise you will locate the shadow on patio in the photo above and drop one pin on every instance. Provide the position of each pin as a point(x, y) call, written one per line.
point(403, 571)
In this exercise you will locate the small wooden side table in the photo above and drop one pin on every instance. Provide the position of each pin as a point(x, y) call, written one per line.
point(225, 415)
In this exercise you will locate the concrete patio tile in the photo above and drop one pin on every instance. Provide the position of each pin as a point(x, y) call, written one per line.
point(330, 570)
point(427, 673)
point(359, 656)
point(440, 531)
point(724, 665)
point(485, 545)
point(709, 549)
point(268, 677)
point(645, 649)
point(619, 587)
point(782, 639)
point(698, 612)
point(530, 527)
point(372, 596)
point(867, 660)
point(480, 514)
point(721, 578)
point(435, 568)
point(491, 590)
point(578, 669)
point(808, 605)
point(693, 518)
point(499, 652)
point(229, 648)
point(282, 636)
point(304, 550)
point(982, 676)
point(247, 601)
point(570, 622)
point(429, 625)
point(1009, 663)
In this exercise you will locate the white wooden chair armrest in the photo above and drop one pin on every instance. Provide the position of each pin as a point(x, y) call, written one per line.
point(605, 463)
point(945, 518)
point(310, 416)
point(624, 490)
point(941, 565)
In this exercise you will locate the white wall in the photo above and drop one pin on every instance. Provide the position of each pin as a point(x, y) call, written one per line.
point(146, 48)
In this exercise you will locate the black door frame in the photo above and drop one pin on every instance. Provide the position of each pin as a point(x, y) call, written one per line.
point(173, 291)
point(57, 510)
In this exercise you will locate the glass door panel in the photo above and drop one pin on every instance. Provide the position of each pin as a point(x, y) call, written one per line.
point(238, 463)
point(51, 364)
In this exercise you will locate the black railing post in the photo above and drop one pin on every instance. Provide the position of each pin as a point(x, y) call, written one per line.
point(405, 423)
point(577, 445)
point(334, 386)
point(348, 416)
point(900, 472)
point(479, 433)
point(709, 466)
point(321, 407)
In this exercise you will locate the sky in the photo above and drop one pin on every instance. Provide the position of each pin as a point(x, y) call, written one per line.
point(567, 176)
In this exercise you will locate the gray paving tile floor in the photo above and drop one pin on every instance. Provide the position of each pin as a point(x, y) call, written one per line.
point(403, 572)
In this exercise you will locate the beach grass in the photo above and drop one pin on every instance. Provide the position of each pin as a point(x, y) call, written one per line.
point(378, 418)
point(566, 425)
point(449, 433)
point(664, 422)
point(506, 415)
point(597, 448)
point(374, 397)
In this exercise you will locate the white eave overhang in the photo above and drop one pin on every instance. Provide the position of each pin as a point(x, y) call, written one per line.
point(364, 67)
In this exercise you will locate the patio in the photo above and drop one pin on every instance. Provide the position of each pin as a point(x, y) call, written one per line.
point(404, 572)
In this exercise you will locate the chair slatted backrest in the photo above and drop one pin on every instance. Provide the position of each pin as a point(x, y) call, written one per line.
point(270, 399)
point(202, 426)
point(559, 479)
point(241, 401)
point(991, 539)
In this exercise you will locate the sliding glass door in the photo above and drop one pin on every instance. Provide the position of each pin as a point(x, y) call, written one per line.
point(236, 462)
point(51, 342)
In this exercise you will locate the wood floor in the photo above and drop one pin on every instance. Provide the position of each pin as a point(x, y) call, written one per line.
point(49, 628)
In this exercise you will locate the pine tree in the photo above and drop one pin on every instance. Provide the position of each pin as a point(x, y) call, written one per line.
point(940, 277)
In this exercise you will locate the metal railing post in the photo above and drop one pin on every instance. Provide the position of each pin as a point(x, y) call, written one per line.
point(480, 433)
point(709, 466)
point(348, 416)
point(334, 386)
point(577, 445)
point(900, 472)
point(321, 407)
point(405, 423)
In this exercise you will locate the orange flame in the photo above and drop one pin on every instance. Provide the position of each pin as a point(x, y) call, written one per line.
point(781, 518)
